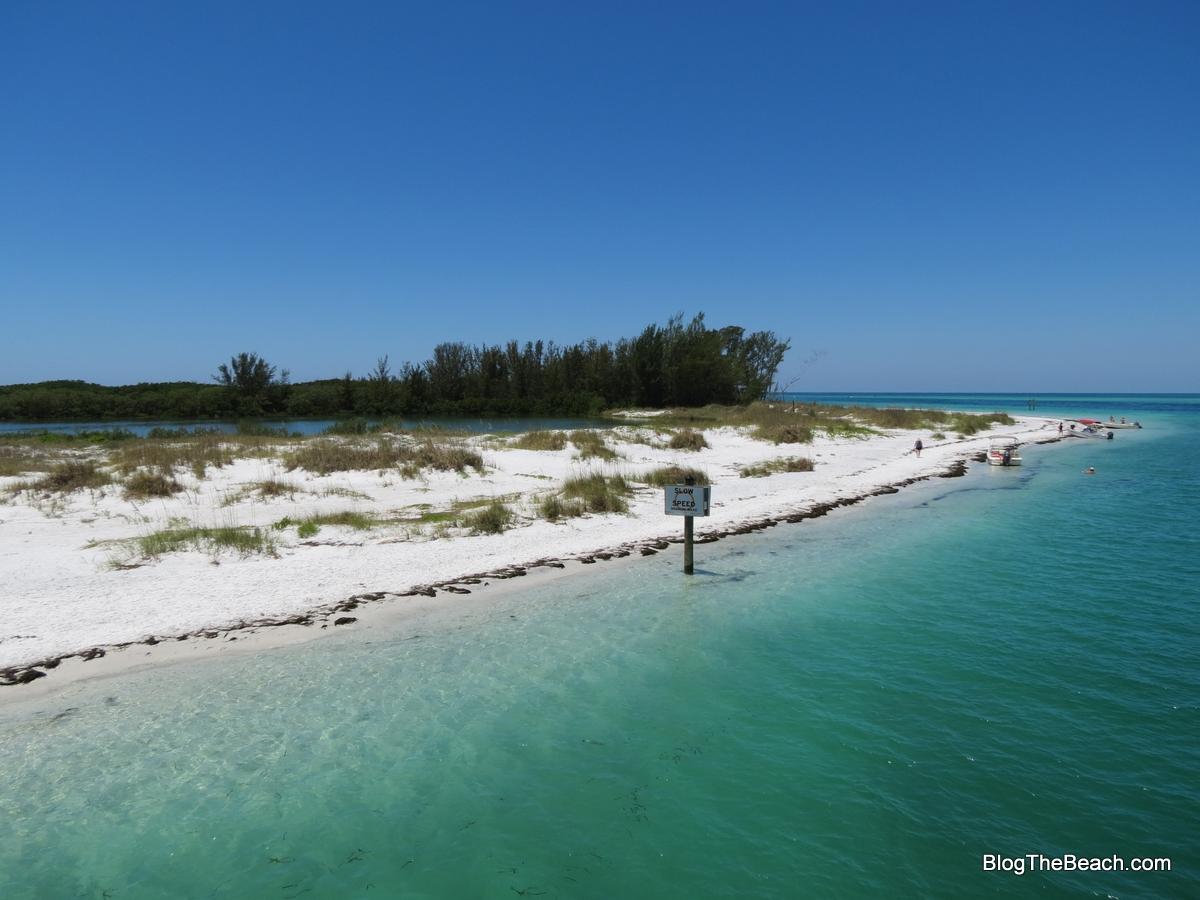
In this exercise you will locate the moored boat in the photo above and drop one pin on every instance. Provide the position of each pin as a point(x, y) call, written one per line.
point(1004, 451)
point(1091, 431)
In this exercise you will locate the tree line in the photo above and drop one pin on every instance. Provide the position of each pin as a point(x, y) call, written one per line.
point(676, 364)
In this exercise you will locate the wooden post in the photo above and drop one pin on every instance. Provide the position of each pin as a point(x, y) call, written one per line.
point(687, 536)
point(687, 545)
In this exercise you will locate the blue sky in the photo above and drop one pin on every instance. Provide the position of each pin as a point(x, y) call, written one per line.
point(961, 196)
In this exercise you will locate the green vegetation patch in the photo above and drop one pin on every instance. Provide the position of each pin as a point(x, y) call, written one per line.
point(687, 439)
point(673, 475)
point(66, 477)
point(16, 460)
point(494, 518)
point(309, 525)
point(787, 423)
point(598, 493)
point(143, 485)
point(771, 466)
point(246, 541)
point(540, 440)
point(553, 507)
point(590, 444)
point(195, 450)
point(325, 456)
point(784, 433)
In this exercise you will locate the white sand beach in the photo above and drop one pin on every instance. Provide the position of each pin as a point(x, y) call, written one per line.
point(73, 580)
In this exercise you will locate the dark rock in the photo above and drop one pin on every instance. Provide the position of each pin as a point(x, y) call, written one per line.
point(344, 620)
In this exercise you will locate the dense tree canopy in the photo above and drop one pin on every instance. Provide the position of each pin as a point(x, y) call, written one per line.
point(676, 364)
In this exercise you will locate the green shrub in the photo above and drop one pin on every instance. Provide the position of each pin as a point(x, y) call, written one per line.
point(787, 433)
point(540, 440)
point(442, 455)
point(687, 439)
point(598, 493)
point(491, 519)
point(937, 436)
point(552, 507)
point(307, 529)
point(142, 485)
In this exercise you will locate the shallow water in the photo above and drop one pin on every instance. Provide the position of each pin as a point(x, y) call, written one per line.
point(858, 706)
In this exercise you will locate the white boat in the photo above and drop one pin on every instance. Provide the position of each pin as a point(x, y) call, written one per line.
point(1121, 424)
point(1091, 431)
point(1003, 451)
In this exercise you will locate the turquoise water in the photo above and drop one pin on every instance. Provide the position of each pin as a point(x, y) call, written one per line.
point(857, 706)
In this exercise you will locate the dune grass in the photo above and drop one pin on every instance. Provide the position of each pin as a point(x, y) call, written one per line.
point(598, 493)
point(494, 518)
point(687, 439)
point(590, 444)
point(325, 456)
point(540, 440)
point(195, 451)
point(784, 433)
point(19, 460)
point(787, 423)
point(673, 475)
point(444, 456)
point(144, 485)
point(552, 507)
point(274, 487)
point(66, 477)
point(245, 541)
point(308, 526)
point(771, 466)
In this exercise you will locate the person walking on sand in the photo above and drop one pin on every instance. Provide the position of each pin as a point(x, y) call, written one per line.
point(1060, 428)
point(919, 446)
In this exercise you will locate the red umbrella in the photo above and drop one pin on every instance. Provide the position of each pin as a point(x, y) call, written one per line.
point(1088, 421)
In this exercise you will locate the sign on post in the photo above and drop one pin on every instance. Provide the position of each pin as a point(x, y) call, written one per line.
point(687, 499)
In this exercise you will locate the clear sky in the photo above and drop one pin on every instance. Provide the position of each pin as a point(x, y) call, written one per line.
point(958, 196)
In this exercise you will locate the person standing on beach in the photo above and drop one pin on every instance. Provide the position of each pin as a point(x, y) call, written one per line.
point(919, 447)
